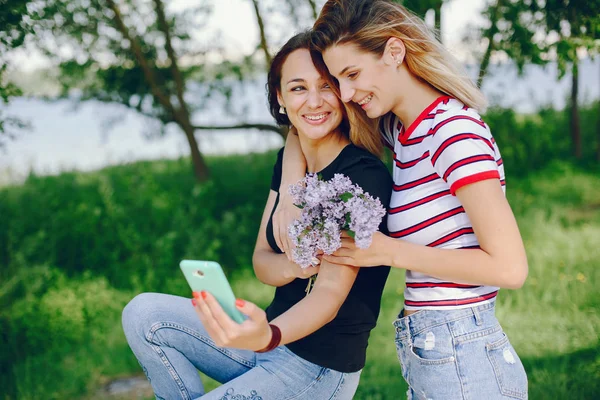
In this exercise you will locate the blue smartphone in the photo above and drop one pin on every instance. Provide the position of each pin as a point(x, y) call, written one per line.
point(209, 276)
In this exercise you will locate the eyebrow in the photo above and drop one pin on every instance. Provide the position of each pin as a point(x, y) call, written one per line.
point(346, 69)
point(295, 80)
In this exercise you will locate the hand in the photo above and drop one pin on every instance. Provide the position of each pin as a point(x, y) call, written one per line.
point(374, 255)
point(293, 270)
point(285, 213)
point(252, 334)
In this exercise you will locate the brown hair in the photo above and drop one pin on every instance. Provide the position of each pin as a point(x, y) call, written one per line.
point(369, 24)
point(358, 127)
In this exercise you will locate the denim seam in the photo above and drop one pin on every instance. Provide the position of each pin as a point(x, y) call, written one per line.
point(163, 357)
point(313, 383)
point(508, 392)
point(160, 325)
point(425, 361)
point(339, 387)
point(434, 325)
point(468, 337)
point(457, 365)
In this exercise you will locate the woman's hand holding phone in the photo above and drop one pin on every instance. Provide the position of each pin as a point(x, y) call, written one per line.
point(252, 334)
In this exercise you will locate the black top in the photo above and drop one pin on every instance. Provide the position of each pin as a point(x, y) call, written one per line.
point(341, 344)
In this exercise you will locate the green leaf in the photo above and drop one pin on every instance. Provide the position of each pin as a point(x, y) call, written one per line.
point(346, 196)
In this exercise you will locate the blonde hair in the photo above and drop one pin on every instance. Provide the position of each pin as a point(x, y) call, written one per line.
point(362, 130)
point(369, 24)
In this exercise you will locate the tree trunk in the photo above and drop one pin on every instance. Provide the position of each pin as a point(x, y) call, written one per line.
point(201, 171)
point(263, 36)
point(598, 132)
point(438, 21)
point(485, 62)
point(575, 128)
point(313, 7)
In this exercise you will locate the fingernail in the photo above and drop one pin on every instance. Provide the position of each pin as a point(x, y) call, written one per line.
point(196, 295)
point(194, 302)
point(203, 293)
point(240, 303)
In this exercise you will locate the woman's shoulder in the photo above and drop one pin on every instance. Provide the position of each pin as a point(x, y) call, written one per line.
point(357, 157)
point(454, 118)
point(367, 171)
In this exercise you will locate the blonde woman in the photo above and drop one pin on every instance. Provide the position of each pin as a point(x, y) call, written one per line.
point(450, 226)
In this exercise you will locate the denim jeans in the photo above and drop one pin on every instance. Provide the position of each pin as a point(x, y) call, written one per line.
point(171, 345)
point(458, 354)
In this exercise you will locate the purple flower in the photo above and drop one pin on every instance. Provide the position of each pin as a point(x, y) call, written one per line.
point(328, 207)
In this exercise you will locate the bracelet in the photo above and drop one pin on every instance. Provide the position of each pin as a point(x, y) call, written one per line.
point(275, 339)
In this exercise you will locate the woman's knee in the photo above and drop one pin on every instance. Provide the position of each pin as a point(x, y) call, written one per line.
point(137, 316)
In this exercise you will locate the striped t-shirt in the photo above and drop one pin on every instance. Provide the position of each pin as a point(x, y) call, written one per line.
point(447, 147)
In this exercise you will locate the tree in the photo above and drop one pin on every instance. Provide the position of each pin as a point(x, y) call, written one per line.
point(538, 31)
point(12, 34)
point(511, 30)
point(145, 56)
point(576, 23)
point(421, 7)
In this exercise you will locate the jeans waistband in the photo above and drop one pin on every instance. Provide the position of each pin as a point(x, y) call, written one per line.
point(415, 323)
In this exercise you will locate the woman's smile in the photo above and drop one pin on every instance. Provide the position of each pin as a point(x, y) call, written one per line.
point(317, 119)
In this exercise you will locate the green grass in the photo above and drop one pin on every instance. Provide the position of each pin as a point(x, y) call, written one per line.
point(76, 247)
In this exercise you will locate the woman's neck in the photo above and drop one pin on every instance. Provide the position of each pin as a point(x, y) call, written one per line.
point(415, 96)
point(320, 153)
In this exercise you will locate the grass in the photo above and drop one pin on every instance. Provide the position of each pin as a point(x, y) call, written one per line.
point(65, 332)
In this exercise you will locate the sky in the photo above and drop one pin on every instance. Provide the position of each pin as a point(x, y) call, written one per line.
point(236, 21)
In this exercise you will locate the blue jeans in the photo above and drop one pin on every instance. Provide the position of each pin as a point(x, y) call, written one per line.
point(458, 354)
point(171, 345)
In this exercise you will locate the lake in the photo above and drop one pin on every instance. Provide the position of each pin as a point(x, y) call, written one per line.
point(92, 135)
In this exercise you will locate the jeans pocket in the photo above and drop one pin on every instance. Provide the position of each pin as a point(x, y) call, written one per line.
point(509, 371)
point(433, 346)
point(429, 364)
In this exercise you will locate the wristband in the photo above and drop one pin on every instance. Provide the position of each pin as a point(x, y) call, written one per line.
point(275, 339)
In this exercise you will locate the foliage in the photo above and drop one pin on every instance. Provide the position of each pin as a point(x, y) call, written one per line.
point(12, 34)
point(151, 56)
point(75, 248)
point(537, 31)
point(530, 142)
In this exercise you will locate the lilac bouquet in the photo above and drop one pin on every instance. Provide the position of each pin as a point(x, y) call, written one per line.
point(328, 208)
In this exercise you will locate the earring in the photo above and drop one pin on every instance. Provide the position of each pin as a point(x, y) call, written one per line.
point(399, 62)
point(281, 110)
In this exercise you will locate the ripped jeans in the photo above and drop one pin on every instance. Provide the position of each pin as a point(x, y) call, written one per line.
point(458, 354)
point(171, 345)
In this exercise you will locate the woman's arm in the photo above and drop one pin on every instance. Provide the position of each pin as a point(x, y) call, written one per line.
point(305, 317)
point(294, 168)
point(271, 268)
point(501, 260)
point(320, 306)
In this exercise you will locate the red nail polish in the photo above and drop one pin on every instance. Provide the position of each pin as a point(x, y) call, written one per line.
point(240, 303)
point(203, 293)
point(196, 295)
point(194, 302)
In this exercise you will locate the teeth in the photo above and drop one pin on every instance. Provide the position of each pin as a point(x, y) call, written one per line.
point(315, 117)
point(365, 100)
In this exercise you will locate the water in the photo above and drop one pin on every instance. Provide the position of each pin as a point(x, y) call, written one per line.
point(66, 138)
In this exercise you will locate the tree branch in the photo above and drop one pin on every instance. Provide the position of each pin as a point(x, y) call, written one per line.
point(263, 37)
point(262, 127)
point(485, 61)
point(313, 7)
point(164, 27)
point(139, 56)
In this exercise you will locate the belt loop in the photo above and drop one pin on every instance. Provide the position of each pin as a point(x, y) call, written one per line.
point(478, 319)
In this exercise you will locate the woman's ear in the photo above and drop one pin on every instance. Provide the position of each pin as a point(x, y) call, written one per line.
point(280, 99)
point(394, 51)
